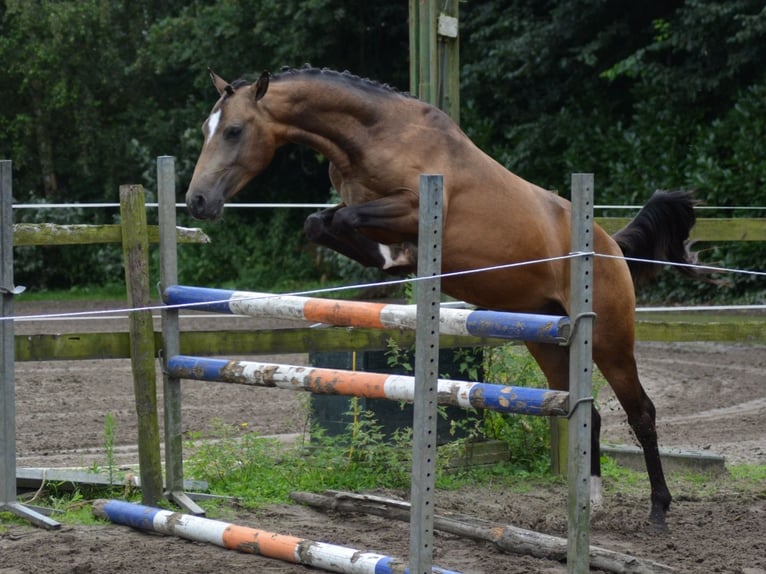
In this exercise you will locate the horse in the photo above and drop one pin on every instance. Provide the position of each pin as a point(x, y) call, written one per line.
point(378, 142)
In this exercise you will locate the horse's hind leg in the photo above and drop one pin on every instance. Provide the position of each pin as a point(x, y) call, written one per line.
point(554, 362)
point(618, 365)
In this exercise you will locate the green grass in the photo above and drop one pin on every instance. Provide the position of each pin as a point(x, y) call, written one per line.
point(743, 479)
point(116, 291)
point(260, 471)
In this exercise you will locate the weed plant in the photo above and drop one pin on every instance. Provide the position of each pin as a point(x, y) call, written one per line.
point(259, 470)
point(527, 437)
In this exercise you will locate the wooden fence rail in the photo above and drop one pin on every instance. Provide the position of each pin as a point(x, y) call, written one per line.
point(79, 346)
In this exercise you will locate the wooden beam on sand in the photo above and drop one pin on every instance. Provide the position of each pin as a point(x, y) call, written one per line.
point(505, 537)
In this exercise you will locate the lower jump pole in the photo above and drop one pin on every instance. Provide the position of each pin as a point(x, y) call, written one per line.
point(465, 394)
point(328, 557)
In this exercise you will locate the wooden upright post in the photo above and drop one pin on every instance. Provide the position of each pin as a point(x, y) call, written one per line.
point(434, 54)
point(135, 248)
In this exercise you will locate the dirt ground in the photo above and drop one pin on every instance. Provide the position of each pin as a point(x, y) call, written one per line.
point(709, 397)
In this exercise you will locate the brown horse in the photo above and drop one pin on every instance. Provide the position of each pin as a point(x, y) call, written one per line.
point(378, 142)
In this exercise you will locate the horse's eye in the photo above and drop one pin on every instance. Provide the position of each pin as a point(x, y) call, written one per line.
point(232, 133)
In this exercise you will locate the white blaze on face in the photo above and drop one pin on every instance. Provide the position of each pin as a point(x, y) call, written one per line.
point(212, 124)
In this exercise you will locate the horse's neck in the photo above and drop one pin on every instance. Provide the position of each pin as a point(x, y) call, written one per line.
point(324, 116)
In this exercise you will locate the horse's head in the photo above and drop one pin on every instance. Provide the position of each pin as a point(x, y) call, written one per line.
point(237, 147)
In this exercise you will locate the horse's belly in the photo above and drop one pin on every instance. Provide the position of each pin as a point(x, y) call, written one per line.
point(523, 289)
point(515, 268)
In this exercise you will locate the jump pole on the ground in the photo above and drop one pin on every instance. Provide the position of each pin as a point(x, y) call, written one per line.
point(328, 557)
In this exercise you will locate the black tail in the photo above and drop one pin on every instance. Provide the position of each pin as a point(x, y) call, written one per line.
point(660, 232)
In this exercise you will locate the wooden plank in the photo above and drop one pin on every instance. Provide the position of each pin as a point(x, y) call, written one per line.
point(707, 228)
point(729, 229)
point(673, 459)
point(85, 346)
point(479, 453)
point(746, 331)
point(28, 234)
point(72, 347)
point(74, 479)
point(279, 341)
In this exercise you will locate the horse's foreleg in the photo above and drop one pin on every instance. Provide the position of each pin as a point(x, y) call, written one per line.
point(394, 217)
point(318, 229)
point(353, 244)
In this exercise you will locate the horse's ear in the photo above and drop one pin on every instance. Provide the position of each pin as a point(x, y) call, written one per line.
point(261, 86)
point(220, 84)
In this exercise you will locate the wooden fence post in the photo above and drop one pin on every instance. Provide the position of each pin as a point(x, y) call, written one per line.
point(135, 248)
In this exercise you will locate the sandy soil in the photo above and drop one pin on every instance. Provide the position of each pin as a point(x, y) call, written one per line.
point(709, 397)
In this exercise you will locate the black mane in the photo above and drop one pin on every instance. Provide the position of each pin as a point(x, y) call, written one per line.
point(344, 77)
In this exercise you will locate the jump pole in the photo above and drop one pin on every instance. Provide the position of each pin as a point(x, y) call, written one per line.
point(328, 557)
point(538, 328)
point(451, 392)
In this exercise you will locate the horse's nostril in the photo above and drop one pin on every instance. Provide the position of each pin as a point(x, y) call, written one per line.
point(196, 203)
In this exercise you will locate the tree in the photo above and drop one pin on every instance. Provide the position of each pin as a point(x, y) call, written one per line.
point(613, 87)
point(96, 89)
point(646, 95)
point(650, 94)
point(65, 93)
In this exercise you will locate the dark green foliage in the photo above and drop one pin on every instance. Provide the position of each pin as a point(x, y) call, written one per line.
point(651, 94)
point(647, 95)
point(260, 252)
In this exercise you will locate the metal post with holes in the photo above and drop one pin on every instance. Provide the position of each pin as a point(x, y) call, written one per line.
point(580, 373)
point(8, 290)
point(428, 291)
point(174, 474)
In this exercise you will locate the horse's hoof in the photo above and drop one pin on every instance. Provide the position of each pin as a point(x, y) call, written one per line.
point(657, 522)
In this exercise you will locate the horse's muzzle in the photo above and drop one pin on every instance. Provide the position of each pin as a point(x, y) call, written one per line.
point(200, 207)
